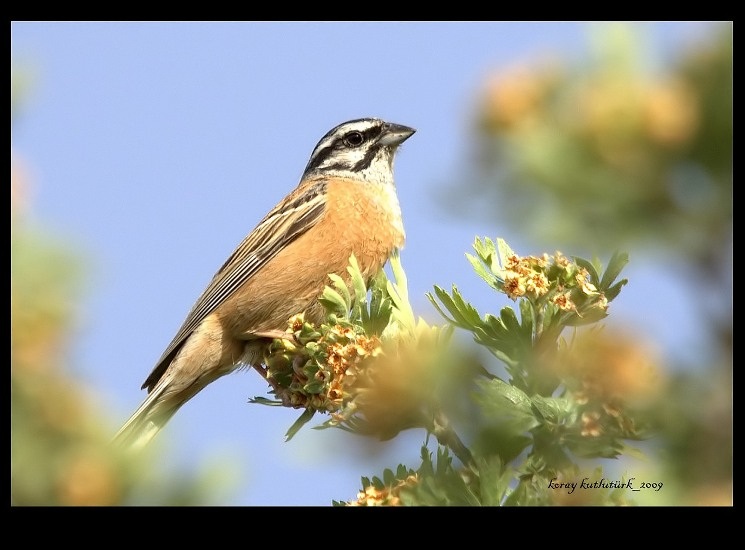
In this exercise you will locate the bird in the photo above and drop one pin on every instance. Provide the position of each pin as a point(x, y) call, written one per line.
point(345, 204)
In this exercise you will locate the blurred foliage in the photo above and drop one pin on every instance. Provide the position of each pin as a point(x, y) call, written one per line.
point(60, 450)
point(610, 154)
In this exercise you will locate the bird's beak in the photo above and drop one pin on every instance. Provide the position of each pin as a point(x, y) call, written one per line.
point(396, 134)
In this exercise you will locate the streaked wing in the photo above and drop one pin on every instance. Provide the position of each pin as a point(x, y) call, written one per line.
point(285, 223)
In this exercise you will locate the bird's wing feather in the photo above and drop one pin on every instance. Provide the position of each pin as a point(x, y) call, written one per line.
point(286, 222)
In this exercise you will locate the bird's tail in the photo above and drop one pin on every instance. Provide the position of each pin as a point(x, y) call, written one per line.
point(147, 420)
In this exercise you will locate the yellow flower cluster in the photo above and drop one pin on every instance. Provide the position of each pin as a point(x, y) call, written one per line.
point(344, 360)
point(372, 387)
point(533, 277)
point(516, 98)
point(391, 391)
point(302, 382)
point(605, 372)
point(610, 108)
point(525, 276)
point(387, 496)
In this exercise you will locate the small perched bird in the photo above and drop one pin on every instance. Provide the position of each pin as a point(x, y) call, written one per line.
point(345, 204)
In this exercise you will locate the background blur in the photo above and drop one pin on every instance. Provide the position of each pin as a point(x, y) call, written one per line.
point(142, 153)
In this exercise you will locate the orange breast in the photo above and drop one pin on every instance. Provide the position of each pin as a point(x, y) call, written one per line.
point(360, 219)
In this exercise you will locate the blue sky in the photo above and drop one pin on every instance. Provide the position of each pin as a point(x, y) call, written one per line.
point(156, 147)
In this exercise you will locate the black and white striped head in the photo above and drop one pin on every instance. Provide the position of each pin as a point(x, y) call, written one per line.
point(362, 148)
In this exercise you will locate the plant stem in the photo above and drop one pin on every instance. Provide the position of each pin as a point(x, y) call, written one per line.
point(447, 437)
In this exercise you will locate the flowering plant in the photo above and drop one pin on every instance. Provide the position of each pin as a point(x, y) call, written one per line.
point(502, 437)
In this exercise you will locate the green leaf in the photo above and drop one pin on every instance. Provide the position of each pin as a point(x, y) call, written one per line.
point(492, 346)
point(401, 309)
point(265, 401)
point(449, 305)
point(488, 276)
point(514, 395)
point(314, 387)
point(494, 480)
point(341, 288)
point(334, 302)
point(499, 399)
point(509, 320)
point(436, 305)
point(504, 251)
point(493, 330)
point(398, 293)
point(358, 281)
point(379, 316)
point(302, 420)
point(487, 251)
point(616, 264)
point(593, 447)
point(554, 409)
point(588, 317)
point(633, 452)
point(388, 477)
point(463, 314)
point(526, 318)
point(590, 267)
point(613, 291)
point(438, 484)
point(516, 496)
point(399, 276)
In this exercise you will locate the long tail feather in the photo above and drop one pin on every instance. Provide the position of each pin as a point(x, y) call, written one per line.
point(147, 420)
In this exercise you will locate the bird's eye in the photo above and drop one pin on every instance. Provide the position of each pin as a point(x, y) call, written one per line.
point(353, 139)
